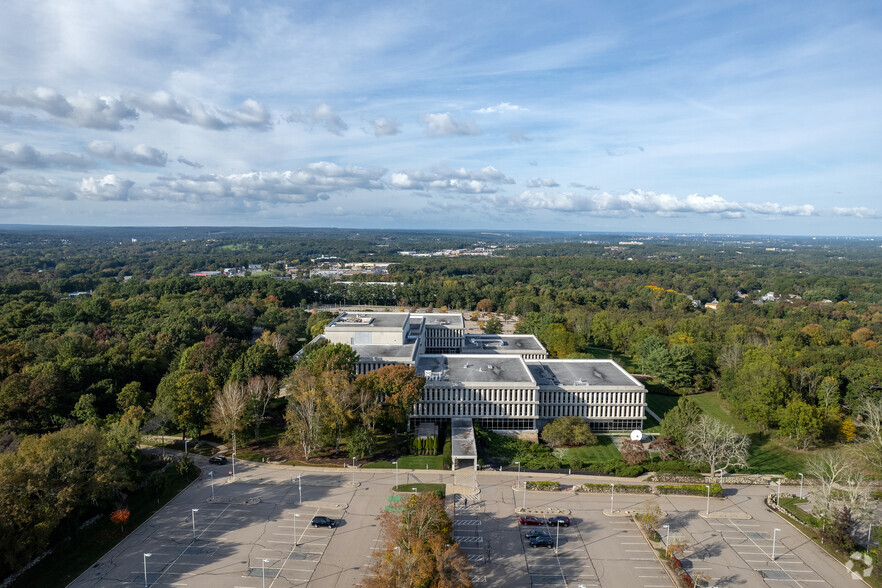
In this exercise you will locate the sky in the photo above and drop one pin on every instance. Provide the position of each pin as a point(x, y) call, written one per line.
point(701, 117)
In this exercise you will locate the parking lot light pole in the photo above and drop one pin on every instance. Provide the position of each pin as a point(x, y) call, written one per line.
point(194, 511)
point(185, 447)
point(612, 497)
point(707, 508)
point(518, 484)
point(299, 489)
point(146, 555)
point(263, 570)
point(211, 475)
point(396, 473)
point(295, 528)
point(233, 456)
point(801, 479)
point(557, 537)
point(353, 471)
point(524, 502)
point(774, 537)
point(778, 500)
point(667, 536)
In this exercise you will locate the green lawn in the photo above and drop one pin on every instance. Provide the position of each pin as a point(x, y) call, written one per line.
point(661, 404)
point(605, 450)
point(438, 488)
point(625, 361)
point(411, 462)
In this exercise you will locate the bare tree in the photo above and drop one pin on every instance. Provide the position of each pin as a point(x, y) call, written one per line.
point(306, 410)
point(228, 411)
point(870, 425)
point(839, 481)
point(717, 444)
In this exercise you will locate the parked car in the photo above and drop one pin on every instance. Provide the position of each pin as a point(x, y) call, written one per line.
point(536, 533)
point(217, 460)
point(542, 541)
point(529, 520)
point(324, 522)
point(558, 521)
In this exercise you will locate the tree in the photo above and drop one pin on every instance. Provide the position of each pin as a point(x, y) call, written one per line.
point(666, 448)
point(757, 388)
point(717, 444)
point(650, 515)
point(228, 411)
point(839, 484)
point(327, 357)
point(633, 452)
point(801, 422)
point(679, 419)
point(261, 392)
point(195, 393)
point(85, 411)
point(306, 411)
point(401, 388)
point(870, 426)
point(132, 394)
point(493, 326)
point(568, 431)
point(367, 397)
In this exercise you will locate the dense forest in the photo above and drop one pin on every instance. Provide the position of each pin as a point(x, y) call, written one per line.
point(84, 372)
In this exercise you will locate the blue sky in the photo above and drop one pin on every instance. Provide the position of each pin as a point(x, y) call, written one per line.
point(717, 117)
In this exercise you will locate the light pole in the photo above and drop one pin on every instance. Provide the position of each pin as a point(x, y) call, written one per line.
point(778, 500)
point(870, 537)
point(518, 485)
point(263, 571)
point(233, 456)
point(299, 489)
point(396, 473)
point(557, 537)
point(667, 535)
point(774, 537)
point(195, 510)
point(524, 503)
point(146, 555)
point(211, 475)
point(185, 447)
point(295, 528)
point(707, 508)
point(413, 490)
point(801, 479)
point(353, 471)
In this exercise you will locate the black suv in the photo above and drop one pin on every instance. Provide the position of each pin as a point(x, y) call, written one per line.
point(217, 460)
point(323, 522)
point(542, 541)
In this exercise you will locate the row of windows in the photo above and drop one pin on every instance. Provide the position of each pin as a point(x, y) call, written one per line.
point(591, 412)
point(469, 409)
point(613, 398)
point(477, 395)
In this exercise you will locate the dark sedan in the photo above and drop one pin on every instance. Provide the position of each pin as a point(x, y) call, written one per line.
point(536, 533)
point(217, 460)
point(542, 541)
point(324, 522)
point(558, 521)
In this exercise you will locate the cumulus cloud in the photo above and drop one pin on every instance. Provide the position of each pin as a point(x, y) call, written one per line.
point(315, 181)
point(518, 136)
point(443, 125)
point(444, 179)
point(773, 208)
point(500, 108)
point(140, 154)
point(17, 189)
point(163, 105)
point(110, 187)
point(186, 161)
point(857, 212)
point(542, 183)
point(629, 204)
point(383, 127)
point(322, 116)
point(25, 156)
point(93, 112)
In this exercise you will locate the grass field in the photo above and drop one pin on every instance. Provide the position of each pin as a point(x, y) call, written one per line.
point(437, 488)
point(411, 462)
point(605, 450)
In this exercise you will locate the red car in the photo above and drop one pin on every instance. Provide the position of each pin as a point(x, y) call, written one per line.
point(530, 520)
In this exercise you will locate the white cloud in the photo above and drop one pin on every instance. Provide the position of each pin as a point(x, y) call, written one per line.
point(542, 183)
point(323, 116)
point(110, 187)
point(17, 189)
point(444, 125)
point(500, 108)
point(251, 114)
point(773, 208)
point(857, 212)
point(25, 156)
point(93, 112)
point(383, 127)
point(312, 182)
point(444, 179)
point(635, 202)
point(140, 154)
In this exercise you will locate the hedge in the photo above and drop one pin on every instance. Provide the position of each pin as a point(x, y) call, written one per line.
point(554, 486)
point(623, 488)
point(690, 489)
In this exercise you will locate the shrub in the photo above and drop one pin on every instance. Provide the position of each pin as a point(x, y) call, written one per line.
point(690, 489)
point(790, 475)
point(541, 485)
point(569, 431)
point(622, 488)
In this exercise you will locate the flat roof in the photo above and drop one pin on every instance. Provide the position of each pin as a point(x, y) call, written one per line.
point(385, 352)
point(580, 372)
point(462, 439)
point(502, 344)
point(369, 321)
point(446, 319)
point(478, 369)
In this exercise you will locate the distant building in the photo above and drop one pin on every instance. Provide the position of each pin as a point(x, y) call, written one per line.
point(505, 382)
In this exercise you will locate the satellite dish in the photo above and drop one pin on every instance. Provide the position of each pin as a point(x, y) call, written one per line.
point(636, 435)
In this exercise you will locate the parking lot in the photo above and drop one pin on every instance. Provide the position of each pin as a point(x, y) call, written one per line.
point(256, 532)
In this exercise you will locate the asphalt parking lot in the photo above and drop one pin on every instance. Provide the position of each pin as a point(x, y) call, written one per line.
point(256, 533)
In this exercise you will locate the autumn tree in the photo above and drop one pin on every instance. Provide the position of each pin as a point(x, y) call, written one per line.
point(228, 411)
point(324, 356)
point(717, 444)
point(306, 412)
point(400, 388)
point(633, 452)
